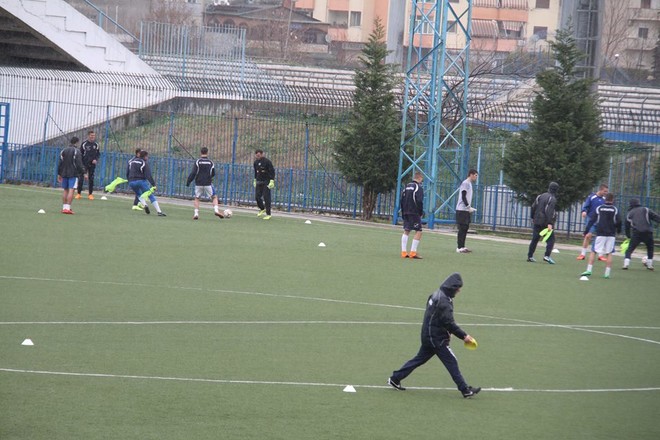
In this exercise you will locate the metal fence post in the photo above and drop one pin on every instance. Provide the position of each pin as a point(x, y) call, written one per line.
point(306, 164)
point(233, 158)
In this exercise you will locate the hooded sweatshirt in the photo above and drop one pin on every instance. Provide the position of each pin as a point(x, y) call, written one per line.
point(439, 321)
point(543, 209)
point(639, 218)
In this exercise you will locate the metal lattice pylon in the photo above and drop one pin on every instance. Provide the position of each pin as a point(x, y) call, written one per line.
point(433, 139)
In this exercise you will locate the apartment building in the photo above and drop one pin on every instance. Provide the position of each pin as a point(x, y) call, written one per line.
point(352, 21)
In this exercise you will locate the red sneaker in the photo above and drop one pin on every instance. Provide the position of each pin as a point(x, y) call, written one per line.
point(601, 258)
point(67, 211)
point(580, 257)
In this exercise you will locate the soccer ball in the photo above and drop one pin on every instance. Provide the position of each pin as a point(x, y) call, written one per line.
point(227, 213)
point(644, 260)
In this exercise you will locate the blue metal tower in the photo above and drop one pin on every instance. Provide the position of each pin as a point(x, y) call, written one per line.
point(434, 136)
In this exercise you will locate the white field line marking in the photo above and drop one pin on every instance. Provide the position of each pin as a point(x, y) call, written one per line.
point(308, 384)
point(338, 301)
point(630, 327)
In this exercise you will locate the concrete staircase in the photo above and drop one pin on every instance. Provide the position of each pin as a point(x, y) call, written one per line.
point(73, 33)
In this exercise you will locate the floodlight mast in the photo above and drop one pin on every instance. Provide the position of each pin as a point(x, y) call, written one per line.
point(434, 134)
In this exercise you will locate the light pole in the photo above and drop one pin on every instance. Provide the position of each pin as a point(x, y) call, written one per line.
point(616, 64)
point(288, 29)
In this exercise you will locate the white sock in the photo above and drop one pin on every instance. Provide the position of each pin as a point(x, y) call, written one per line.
point(155, 205)
point(413, 248)
point(590, 267)
point(626, 262)
point(142, 200)
point(197, 212)
point(607, 271)
point(404, 243)
point(216, 208)
point(584, 252)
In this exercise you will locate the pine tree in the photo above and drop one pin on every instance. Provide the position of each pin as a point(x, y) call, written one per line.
point(564, 141)
point(367, 149)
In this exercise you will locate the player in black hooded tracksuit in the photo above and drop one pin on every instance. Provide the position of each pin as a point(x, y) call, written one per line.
point(437, 328)
point(90, 156)
point(639, 229)
point(543, 215)
point(264, 181)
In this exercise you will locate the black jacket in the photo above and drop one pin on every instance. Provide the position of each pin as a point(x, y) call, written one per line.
point(90, 151)
point(70, 163)
point(439, 321)
point(202, 172)
point(138, 169)
point(263, 170)
point(543, 209)
point(412, 199)
point(639, 219)
point(607, 221)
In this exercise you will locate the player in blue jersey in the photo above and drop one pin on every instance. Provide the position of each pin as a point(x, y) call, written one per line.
point(593, 201)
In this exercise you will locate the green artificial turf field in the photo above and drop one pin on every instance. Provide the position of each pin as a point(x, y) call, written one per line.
point(168, 328)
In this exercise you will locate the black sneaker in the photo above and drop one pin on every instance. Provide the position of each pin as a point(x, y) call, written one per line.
point(394, 384)
point(147, 210)
point(471, 392)
point(161, 214)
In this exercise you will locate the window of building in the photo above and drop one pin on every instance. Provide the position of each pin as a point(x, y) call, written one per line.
point(542, 4)
point(541, 32)
point(356, 18)
point(643, 33)
point(645, 4)
point(451, 27)
point(426, 28)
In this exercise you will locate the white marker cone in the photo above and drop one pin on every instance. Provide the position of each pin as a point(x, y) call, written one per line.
point(349, 389)
point(27, 342)
point(308, 222)
point(321, 244)
point(104, 198)
point(584, 278)
point(41, 211)
point(555, 251)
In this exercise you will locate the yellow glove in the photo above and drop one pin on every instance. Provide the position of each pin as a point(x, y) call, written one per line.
point(254, 183)
point(271, 184)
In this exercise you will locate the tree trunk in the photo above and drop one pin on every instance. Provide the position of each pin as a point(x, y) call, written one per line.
point(368, 203)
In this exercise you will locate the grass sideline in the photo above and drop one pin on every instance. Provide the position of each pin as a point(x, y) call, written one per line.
point(165, 328)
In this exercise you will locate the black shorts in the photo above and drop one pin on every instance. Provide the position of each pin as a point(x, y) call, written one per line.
point(412, 222)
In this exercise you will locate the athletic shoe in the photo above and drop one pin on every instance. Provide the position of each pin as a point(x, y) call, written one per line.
point(261, 213)
point(195, 217)
point(136, 208)
point(606, 276)
point(648, 266)
point(414, 256)
point(219, 214)
point(580, 257)
point(404, 254)
point(161, 214)
point(601, 258)
point(140, 205)
point(78, 197)
point(624, 268)
point(67, 211)
point(470, 392)
point(267, 217)
point(549, 260)
point(396, 385)
point(147, 210)
point(90, 197)
point(586, 273)
point(531, 260)
point(465, 251)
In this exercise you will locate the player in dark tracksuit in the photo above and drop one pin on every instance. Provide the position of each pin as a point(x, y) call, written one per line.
point(69, 169)
point(412, 209)
point(90, 156)
point(202, 173)
point(544, 216)
point(640, 230)
point(437, 328)
point(140, 180)
point(264, 181)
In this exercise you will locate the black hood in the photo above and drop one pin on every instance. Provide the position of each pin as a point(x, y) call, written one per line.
point(452, 284)
point(633, 203)
point(553, 187)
